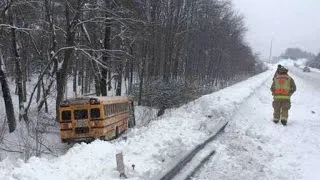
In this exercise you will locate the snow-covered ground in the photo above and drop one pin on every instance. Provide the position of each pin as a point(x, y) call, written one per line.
point(252, 147)
point(256, 148)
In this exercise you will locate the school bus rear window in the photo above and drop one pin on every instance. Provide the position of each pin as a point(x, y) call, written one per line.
point(81, 114)
point(95, 113)
point(66, 115)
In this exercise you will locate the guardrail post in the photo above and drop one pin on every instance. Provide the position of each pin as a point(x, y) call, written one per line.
point(120, 165)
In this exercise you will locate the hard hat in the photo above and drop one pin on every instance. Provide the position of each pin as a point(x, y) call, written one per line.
point(282, 69)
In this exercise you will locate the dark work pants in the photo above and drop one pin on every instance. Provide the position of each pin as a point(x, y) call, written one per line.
point(280, 109)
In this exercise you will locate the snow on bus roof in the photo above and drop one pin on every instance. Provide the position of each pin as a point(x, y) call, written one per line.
point(103, 99)
point(110, 99)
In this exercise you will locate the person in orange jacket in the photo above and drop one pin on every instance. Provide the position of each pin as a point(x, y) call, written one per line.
point(282, 88)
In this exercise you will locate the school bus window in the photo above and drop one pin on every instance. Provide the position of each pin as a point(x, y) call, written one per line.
point(105, 110)
point(95, 113)
point(66, 115)
point(80, 114)
point(109, 109)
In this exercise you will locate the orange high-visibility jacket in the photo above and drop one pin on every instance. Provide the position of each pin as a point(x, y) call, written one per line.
point(283, 86)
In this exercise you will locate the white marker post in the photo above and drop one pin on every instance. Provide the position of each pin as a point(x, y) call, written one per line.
point(120, 165)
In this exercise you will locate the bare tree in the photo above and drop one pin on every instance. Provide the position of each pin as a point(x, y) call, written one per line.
point(107, 46)
point(18, 69)
point(7, 97)
point(71, 26)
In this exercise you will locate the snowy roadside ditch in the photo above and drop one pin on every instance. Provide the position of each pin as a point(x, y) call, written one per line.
point(150, 148)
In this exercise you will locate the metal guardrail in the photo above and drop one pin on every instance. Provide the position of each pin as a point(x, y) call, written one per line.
point(177, 167)
point(200, 165)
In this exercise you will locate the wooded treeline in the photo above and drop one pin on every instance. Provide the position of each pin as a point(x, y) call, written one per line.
point(188, 43)
point(315, 62)
point(296, 53)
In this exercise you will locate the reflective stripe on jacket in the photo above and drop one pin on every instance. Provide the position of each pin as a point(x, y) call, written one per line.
point(282, 87)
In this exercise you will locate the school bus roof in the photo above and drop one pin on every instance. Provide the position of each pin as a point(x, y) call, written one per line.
point(112, 99)
point(102, 99)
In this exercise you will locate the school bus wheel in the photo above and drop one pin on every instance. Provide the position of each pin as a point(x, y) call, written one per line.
point(103, 138)
point(65, 141)
point(117, 132)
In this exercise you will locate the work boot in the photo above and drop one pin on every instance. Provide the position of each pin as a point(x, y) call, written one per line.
point(284, 122)
point(276, 121)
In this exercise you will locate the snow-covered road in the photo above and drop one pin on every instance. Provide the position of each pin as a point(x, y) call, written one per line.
point(255, 148)
point(252, 147)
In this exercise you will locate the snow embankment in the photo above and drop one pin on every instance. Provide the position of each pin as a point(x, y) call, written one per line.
point(254, 147)
point(150, 148)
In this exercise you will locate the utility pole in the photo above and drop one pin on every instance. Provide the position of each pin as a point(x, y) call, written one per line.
point(270, 52)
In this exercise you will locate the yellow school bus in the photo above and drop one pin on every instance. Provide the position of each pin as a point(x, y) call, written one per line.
point(88, 118)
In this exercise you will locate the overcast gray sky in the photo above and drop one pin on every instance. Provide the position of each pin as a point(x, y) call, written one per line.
point(290, 23)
